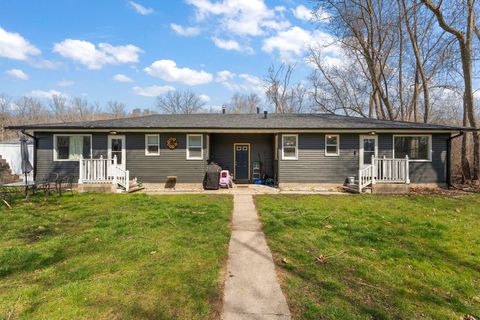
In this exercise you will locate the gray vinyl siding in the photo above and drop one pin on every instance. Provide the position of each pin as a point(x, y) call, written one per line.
point(261, 149)
point(145, 168)
point(168, 163)
point(44, 155)
point(434, 171)
point(313, 166)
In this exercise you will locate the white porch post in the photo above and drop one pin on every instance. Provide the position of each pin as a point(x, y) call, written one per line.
point(374, 169)
point(114, 170)
point(80, 170)
point(407, 170)
point(127, 180)
point(360, 181)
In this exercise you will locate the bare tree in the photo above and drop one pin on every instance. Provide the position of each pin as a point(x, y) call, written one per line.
point(285, 96)
point(60, 109)
point(340, 89)
point(84, 111)
point(277, 84)
point(180, 102)
point(30, 110)
point(4, 114)
point(463, 31)
point(242, 103)
point(116, 109)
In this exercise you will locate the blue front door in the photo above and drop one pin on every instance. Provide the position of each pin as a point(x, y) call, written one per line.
point(242, 156)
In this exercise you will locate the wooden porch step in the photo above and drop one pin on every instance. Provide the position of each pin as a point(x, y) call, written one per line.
point(135, 189)
point(353, 188)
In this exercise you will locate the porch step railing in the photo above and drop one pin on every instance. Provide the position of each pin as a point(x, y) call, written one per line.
point(384, 170)
point(103, 171)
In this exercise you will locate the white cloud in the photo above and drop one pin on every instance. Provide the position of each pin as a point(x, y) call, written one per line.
point(204, 97)
point(303, 13)
point(296, 41)
point(252, 83)
point(167, 70)
point(122, 78)
point(14, 46)
point(46, 94)
point(140, 9)
point(88, 54)
point(65, 83)
point(152, 91)
point(231, 45)
point(185, 31)
point(224, 75)
point(245, 82)
point(17, 73)
point(238, 17)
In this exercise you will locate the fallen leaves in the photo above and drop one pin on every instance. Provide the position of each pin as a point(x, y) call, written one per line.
point(323, 258)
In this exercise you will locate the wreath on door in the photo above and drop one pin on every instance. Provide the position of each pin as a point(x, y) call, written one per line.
point(172, 143)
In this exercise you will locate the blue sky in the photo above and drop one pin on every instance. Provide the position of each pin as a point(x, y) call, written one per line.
point(132, 51)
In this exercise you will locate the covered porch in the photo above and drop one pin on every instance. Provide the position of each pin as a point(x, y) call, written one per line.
point(248, 156)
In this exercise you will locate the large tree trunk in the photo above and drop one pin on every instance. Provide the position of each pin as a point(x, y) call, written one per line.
point(466, 173)
point(465, 45)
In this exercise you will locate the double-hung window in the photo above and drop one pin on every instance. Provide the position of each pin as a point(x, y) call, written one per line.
point(194, 147)
point(71, 147)
point(289, 147)
point(152, 144)
point(332, 145)
point(416, 147)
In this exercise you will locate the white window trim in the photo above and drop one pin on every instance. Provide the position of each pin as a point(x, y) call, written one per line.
point(296, 147)
point(146, 145)
point(336, 154)
point(430, 151)
point(188, 146)
point(55, 153)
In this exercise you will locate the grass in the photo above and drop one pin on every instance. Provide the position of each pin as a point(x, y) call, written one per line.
point(106, 256)
point(373, 257)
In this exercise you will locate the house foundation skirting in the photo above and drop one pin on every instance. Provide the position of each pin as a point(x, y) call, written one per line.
point(97, 187)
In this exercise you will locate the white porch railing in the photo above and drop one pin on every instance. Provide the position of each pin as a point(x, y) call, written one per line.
point(384, 170)
point(391, 170)
point(103, 171)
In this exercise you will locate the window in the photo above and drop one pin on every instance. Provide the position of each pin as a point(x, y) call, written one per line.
point(332, 145)
point(194, 147)
point(290, 147)
point(72, 147)
point(152, 145)
point(416, 147)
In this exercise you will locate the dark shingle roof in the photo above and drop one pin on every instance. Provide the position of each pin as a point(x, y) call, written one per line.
point(242, 121)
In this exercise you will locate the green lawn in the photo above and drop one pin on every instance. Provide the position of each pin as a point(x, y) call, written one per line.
point(107, 256)
point(387, 257)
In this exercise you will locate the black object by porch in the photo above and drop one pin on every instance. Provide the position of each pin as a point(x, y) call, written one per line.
point(212, 177)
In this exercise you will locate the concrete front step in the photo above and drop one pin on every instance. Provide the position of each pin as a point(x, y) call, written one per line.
point(380, 188)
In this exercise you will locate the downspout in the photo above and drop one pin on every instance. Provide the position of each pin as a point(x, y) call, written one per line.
point(449, 158)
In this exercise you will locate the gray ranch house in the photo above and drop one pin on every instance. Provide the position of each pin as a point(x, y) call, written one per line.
point(291, 149)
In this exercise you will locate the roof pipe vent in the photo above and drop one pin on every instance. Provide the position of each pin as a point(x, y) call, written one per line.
point(265, 113)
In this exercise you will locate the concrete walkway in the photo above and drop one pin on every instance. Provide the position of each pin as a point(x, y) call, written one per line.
point(252, 290)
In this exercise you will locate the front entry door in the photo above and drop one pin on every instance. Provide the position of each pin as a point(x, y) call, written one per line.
point(368, 148)
point(242, 160)
point(116, 147)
